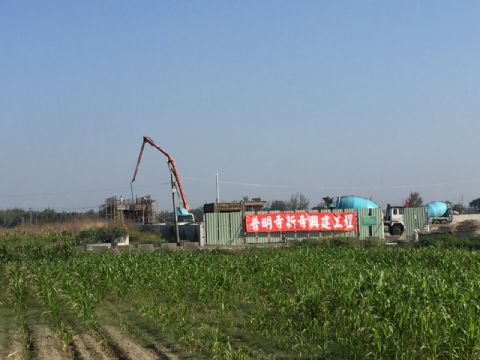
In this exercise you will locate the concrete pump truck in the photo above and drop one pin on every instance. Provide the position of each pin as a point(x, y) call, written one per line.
point(183, 214)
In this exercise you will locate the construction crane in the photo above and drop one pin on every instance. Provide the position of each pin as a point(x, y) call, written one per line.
point(183, 213)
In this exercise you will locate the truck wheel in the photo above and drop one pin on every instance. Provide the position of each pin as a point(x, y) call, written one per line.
point(396, 230)
point(444, 222)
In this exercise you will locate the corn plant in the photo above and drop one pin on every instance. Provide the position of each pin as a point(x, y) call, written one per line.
point(18, 293)
point(18, 298)
point(51, 301)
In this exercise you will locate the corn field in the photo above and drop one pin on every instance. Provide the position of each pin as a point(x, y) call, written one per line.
point(340, 302)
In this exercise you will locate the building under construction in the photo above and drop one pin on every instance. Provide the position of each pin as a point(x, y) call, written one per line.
point(142, 210)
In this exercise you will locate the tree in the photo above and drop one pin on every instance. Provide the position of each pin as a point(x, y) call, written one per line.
point(324, 204)
point(14, 217)
point(278, 205)
point(475, 204)
point(298, 201)
point(460, 208)
point(415, 199)
point(164, 216)
point(198, 213)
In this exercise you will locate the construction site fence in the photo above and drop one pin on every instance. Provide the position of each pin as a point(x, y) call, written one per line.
point(229, 228)
point(415, 219)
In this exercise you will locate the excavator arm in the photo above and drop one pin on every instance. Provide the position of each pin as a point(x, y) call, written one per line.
point(171, 165)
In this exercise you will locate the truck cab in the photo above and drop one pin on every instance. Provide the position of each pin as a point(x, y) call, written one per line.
point(394, 219)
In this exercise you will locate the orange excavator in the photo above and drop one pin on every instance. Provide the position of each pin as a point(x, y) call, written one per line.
point(183, 213)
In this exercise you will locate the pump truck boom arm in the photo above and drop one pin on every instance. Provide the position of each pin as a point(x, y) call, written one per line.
point(171, 165)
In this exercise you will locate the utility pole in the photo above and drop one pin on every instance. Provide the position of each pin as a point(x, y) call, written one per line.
point(218, 189)
point(174, 191)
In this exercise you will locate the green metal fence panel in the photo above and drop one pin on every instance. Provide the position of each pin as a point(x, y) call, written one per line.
point(276, 238)
point(251, 238)
point(236, 228)
point(415, 218)
point(290, 236)
point(263, 238)
point(219, 229)
point(362, 230)
point(370, 223)
point(211, 227)
point(378, 230)
point(224, 228)
point(229, 231)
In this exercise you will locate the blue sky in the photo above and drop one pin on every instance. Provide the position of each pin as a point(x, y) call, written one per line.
point(371, 98)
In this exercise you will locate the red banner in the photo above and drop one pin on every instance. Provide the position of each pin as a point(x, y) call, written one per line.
point(301, 221)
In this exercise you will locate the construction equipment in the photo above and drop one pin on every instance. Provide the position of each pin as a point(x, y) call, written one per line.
point(182, 213)
point(350, 202)
point(394, 219)
point(439, 212)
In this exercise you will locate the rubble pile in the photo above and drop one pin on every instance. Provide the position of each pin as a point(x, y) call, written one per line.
point(468, 225)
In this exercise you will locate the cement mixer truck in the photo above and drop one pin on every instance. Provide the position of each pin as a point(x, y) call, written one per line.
point(393, 216)
point(438, 212)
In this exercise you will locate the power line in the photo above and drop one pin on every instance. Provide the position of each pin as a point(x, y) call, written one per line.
point(240, 183)
point(354, 187)
point(229, 182)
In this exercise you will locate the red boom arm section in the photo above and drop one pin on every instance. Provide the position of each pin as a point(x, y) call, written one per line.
point(171, 166)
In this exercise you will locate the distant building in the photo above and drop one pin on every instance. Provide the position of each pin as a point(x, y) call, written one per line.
point(141, 211)
point(235, 206)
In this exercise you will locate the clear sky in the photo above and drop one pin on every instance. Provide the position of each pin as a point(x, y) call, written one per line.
point(375, 98)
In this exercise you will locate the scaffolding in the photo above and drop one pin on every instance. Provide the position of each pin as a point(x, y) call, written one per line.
point(141, 211)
